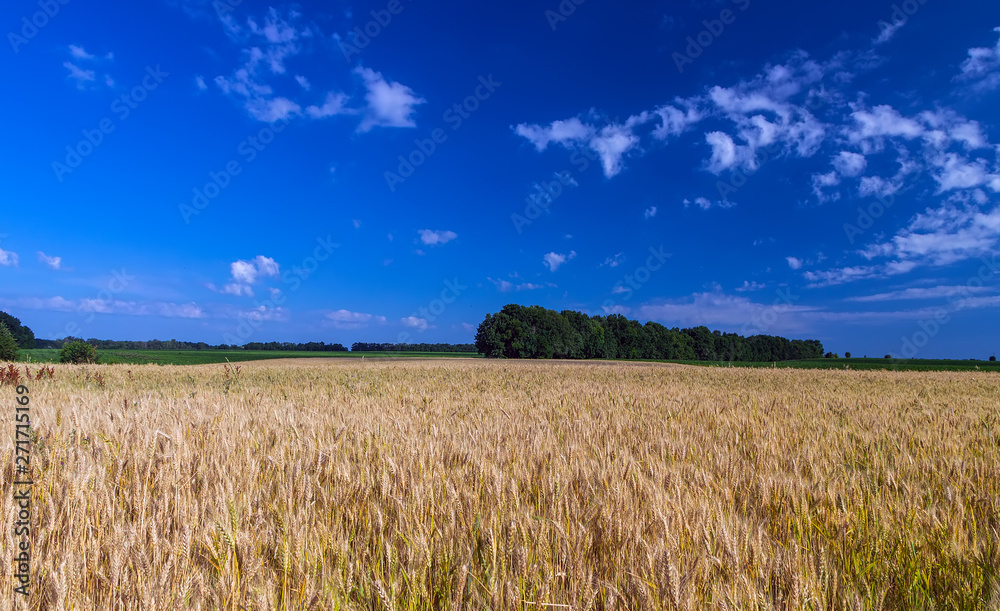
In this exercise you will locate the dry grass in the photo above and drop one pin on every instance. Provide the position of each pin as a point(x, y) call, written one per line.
point(453, 485)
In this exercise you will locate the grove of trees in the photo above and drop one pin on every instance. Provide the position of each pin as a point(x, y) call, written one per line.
point(24, 336)
point(534, 332)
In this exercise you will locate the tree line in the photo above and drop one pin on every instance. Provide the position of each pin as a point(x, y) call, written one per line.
point(534, 332)
point(375, 347)
point(173, 344)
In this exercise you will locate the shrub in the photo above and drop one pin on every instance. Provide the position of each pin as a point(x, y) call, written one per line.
point(993, 359)
point(8, 347)
point(78, 352)
point(888, 356)
point(847, 355)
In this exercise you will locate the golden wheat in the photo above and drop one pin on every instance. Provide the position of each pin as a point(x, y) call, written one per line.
point(473, 484)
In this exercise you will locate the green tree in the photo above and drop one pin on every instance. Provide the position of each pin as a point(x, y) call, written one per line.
point(703, 342)
point(8, 346)
point(78, 352)
point(24, 336)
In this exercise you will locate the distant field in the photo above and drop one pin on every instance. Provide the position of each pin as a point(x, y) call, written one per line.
point(866, 364)
point(206, 357)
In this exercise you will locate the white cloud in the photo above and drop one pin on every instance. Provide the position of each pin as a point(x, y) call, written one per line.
point(825, 181)
point(850, 164)
point(273, 109)
point(335, 104)
point(759, 108)
point(888, 31)
point(502, 285)
point(108, 306)
point(8, 258)
point(505, 286)
point(880, 122)
point(52, 262)
point(956, 172)
point(303, 82)
point(716, 309)
point(179, 310)
point(572, 131)
point(263, 313)
point(346, 319)
point(723, 152)
point(234, 288)
point(420, 324)
point(554, 260)
point(79, 75)
point(611, 144)
point(649, 212)
point(947, 234)
point(794, 263)
point(614, 261)
point(937, 292)
point(674, 122)
point(269, 46)
point(246, 273)
point(199, 82)
point(877, 186)
point(706, 204)
point(983, 66)
point(839, 276)
point(389, 104)
point(79, 52)
point(750, 286)
point(434, 238)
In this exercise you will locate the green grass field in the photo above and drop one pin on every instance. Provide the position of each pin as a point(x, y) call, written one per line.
point(204, 357)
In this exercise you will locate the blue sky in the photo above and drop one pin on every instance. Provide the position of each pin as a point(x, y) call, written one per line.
point(251, 171)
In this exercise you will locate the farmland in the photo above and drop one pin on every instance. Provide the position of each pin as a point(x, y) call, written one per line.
point(428, 484)
point(205, 357)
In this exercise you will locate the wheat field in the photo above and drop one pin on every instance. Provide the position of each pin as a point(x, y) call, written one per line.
point(472, 484)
